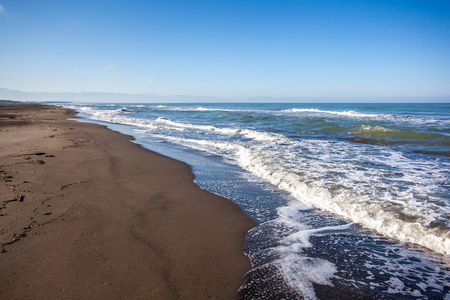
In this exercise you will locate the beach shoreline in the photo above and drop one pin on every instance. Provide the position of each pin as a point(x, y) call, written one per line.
point(88, 214)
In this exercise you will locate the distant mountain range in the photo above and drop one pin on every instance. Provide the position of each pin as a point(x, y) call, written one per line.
point(7, 94)
point(8, 101)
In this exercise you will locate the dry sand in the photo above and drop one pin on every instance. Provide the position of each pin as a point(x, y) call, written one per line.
point(86, 214)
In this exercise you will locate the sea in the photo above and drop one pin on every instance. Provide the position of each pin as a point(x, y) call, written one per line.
point(352, 200)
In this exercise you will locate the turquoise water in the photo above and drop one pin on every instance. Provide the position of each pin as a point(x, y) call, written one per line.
point(351, 198)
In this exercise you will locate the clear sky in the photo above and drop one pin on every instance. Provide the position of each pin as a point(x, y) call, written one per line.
point(276, 48)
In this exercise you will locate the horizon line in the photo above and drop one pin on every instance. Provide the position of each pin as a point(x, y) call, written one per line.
point(338, 99)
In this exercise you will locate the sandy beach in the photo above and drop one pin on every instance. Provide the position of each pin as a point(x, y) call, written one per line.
point(87, 214)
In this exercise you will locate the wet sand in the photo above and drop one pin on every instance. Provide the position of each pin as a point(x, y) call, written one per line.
point(87, 214)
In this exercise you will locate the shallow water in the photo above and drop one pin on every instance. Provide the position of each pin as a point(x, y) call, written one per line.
point(351, 198)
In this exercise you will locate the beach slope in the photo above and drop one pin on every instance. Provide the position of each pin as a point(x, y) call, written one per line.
point(88, 214)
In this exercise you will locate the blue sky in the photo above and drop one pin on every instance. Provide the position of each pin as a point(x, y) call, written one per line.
point(232, 49)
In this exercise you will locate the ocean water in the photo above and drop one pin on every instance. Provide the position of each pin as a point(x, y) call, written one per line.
point(352, 200)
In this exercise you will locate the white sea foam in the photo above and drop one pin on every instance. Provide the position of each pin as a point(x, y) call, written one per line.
point(208, 128)
point(349, 113)
point(419, 267)
point(367, 128)
point(80, 108)
point(413, 120)
point(199, 108)
point(248, 133)
point(261, 136)
point(217, 109)
point(343, 190)
point(301, 271)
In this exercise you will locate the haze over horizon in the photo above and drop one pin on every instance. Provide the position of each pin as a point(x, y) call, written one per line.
point(228, 49)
